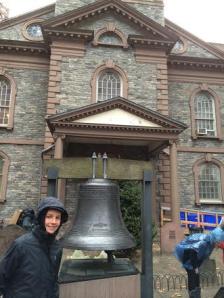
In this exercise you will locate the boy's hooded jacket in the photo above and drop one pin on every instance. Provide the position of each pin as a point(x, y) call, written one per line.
point(30, 266)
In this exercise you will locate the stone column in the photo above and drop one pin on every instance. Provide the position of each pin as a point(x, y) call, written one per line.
point(172, 232)
point(175, 205)
point(58, 152)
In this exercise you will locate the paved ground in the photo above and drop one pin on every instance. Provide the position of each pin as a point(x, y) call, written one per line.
point(167, 264)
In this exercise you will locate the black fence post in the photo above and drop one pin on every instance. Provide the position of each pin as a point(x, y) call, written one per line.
point(146, 218)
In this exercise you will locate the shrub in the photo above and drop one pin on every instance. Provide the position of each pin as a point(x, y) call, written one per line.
point(131, 193)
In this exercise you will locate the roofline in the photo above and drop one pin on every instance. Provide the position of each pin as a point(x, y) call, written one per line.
point(172, 26)
point(16, 20)
point(116, 100)
point(98, 5)
point(24, 47)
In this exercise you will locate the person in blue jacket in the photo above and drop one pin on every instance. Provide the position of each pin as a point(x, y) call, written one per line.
point(29, 269)
point(194, 250)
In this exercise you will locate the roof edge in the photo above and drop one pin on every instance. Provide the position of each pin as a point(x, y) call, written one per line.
point(172, 26)
point(17, 19)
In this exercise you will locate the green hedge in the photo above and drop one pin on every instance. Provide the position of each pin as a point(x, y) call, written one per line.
point(131, 193)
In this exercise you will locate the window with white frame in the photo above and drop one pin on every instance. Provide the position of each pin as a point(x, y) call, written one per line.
point(5, 97)
point(204, 111)
point(109, 85)
point(209, 182)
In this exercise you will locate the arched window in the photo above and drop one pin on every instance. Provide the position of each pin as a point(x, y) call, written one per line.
point(208, 181)
point(205, 114)
point(7, 101)
point(5, 92)
point(108, 85)
point(110, 36)
point(4, 167)
point(108, 81)
point(204, 110)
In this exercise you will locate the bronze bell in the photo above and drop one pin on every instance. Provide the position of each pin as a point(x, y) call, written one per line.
point(98, 224)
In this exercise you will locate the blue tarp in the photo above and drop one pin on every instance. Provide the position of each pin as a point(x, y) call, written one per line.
point(201, 244)
point(194, 216)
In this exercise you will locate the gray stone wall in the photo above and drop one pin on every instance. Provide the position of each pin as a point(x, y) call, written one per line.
point(179, 109)
point(15, 32)
point(194, 50)
point(186, 162)
point(179, 97)
point(154, 11)
point(23, 188)
point(99, 22)
point(77, 73)
point(30, 105)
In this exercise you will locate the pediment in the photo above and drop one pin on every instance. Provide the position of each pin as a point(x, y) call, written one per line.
point(116, 114)
point(38, 13)
point(69, 22)
point(204, 49)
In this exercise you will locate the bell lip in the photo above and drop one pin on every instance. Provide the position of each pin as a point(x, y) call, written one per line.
point(88, 245)
point(101, 248)
point(99, 180)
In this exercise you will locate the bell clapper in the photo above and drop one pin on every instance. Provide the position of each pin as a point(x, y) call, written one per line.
point(110, 257)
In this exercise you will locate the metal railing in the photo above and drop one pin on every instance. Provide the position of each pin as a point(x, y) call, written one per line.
point(168, 282)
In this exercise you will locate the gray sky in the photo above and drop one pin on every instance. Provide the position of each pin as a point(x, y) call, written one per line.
point(203, 18)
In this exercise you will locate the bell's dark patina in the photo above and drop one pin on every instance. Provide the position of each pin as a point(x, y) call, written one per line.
point(98, 224)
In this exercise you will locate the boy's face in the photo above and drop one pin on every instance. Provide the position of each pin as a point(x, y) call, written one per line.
point(52, 221)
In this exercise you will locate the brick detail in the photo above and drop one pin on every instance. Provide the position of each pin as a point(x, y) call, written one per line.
point(162, 89)
point(52, 103)
point(163, 178)
point(44, 187)
point(53, 91)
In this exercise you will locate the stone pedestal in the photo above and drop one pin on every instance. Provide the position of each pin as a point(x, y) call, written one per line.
point(99, 279)
point(171, 234)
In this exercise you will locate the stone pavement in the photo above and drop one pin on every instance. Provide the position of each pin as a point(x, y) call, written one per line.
point(167, 264)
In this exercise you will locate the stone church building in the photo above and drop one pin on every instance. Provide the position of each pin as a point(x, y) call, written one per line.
point(84, 76)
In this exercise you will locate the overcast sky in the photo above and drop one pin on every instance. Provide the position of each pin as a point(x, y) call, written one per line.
point(203, 18)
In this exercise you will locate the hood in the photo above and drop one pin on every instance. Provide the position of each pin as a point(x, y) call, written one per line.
point(51, 203)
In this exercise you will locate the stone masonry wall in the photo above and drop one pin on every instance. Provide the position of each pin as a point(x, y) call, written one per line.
point(186, 179)
point(15, 32)
point(194, 50)
point(179, 109)
point(23, 187)
point(152, 9)
point(30, 104)
point(76, 89)
point(179, 96)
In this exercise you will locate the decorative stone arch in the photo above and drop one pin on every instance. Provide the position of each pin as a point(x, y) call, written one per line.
point(13, 90)
point(110, 28)
point(196, 167)
point(180, 46)
point(204, 87)
point(109, 64)
point(37, 21)
point(4, 175)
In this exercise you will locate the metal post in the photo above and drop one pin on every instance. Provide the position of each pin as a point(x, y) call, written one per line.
point(104, 165)
point(94, 157)
point(147, 265)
